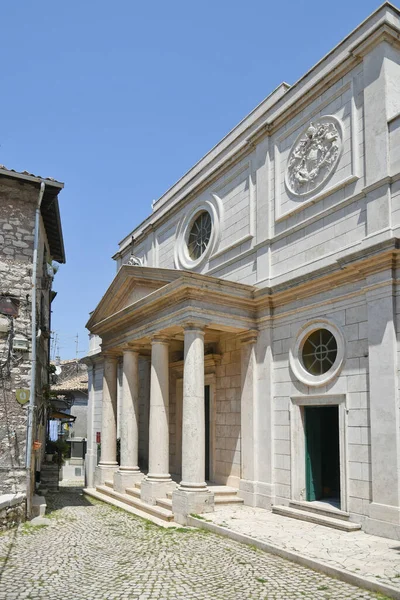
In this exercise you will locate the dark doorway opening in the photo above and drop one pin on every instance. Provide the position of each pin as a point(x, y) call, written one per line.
point(207, 431)
point(322, 454)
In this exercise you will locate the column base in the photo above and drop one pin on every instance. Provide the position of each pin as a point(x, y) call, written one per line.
point(187, 503)
point(103, 473)
point(126, 479)
point(152, 490)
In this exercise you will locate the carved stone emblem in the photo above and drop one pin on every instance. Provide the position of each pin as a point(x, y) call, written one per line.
point(314, 155)
point(135, 261)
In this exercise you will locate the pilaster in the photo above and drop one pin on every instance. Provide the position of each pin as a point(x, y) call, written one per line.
point(384, 402)
point(248, 416)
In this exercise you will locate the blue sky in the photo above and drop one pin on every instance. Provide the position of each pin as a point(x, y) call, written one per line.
point(119, 99)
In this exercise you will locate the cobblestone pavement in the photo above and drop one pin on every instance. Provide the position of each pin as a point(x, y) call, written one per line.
point(366, 555)
point(91, 550)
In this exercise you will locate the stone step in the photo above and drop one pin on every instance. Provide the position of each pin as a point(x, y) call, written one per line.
point(128, 508)
point(133, 492)
point(312, 517)
point(223, 494)
point(223, 490)
point(109, 483)
point(227, 499)
point(38, 506)
point(164, 503)
point(157, 511)
point(320, 508)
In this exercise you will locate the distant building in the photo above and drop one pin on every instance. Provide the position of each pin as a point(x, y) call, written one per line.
point(250, 337)
point(71, 389)
point(30, 240)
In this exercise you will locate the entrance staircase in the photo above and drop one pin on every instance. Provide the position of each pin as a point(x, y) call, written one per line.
point(320, 513)
point(160, 512)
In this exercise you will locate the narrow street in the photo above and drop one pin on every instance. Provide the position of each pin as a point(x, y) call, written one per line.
point(91, 550)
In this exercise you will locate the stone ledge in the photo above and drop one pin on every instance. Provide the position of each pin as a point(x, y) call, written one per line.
point(7, 500)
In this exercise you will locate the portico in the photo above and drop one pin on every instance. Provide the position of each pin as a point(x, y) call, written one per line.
point(172, 323)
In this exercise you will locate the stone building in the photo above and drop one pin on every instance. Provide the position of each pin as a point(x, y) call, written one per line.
point(250, 336)
point(30, 239)
point(71, 390)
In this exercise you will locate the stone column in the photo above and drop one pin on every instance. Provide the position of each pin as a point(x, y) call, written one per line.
point(193, 496)
point(108, 461)
point(90, 456)
point(128, 473)
point(248, 417)
point(158, 481)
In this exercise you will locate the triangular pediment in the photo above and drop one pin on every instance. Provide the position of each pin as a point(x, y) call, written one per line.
point(130, 285)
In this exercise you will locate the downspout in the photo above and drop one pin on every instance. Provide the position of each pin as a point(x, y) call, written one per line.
point(32, 391)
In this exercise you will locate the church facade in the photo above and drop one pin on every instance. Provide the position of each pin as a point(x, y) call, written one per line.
point(250, 336)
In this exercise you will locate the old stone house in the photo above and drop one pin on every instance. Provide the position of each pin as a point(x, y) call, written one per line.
point(250, 337)
point(70, 387)
point(30, 239)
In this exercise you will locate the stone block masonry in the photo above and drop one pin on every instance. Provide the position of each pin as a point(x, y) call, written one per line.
point(17, 217)
point(12, 510)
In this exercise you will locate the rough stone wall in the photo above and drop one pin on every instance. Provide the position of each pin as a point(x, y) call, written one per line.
point(12, 513)
point(17, 216)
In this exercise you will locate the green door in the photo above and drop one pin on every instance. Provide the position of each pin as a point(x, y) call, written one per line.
point(313, 453)
point(207, 430)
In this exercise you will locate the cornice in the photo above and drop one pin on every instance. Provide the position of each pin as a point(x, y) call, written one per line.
point(385, 32)
point(355, 267)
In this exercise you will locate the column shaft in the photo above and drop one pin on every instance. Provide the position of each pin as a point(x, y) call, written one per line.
point(159, 412)
point(130, 412)
point(109, 413)
point(193, 418)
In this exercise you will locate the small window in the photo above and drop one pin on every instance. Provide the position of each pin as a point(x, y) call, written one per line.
point(319, 352)
point(199, 236)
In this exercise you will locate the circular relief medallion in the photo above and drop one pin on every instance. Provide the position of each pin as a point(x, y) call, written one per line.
point(314, 155)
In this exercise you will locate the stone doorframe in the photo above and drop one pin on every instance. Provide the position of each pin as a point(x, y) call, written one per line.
point(298, 443)
point(209, 379)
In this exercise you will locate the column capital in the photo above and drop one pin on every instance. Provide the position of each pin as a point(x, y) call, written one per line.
point(131, 347)
point(160, 338)
point(111, 355)
point(248, 337)
point(194, 326)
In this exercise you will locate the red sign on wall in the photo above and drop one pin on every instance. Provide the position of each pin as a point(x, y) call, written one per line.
point(98, 437)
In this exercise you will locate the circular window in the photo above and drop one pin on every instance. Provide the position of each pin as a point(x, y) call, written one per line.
point(317, 354)
point(199, 235)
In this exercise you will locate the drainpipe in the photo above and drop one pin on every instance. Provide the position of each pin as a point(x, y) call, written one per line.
point(32, 393)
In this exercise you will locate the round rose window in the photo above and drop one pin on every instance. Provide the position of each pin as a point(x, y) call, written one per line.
point(319, 352)
point(199, 235)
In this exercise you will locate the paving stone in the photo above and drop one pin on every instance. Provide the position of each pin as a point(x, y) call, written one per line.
point(92, 551)
point(357, 552)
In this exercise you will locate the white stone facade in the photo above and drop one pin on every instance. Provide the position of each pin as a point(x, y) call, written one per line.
point(304, 201)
